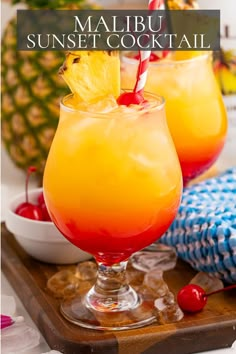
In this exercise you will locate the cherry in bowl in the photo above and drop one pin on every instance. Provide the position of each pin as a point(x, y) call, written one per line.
point(32, 210)
point(40, 239)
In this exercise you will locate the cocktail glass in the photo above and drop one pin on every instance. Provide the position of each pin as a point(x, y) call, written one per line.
point(195, 111)
point(112, 185)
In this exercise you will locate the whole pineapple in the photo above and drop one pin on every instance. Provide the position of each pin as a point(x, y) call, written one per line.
point(31, 91)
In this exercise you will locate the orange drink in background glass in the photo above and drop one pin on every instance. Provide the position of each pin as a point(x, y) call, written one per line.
point(112, 184)
point(195, 111)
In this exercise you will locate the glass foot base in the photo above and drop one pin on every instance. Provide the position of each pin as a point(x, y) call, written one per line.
point(76, 310)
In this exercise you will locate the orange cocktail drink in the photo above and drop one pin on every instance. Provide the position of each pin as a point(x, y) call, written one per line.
point(112, 180)
point(112, 184)
point(195, 111)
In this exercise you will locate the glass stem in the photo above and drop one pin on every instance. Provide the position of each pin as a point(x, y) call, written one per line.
point(111, 291)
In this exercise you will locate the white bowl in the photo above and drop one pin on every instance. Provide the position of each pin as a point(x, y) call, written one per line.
point(41, 239)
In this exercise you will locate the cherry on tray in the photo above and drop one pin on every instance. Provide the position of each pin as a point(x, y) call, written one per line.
point(193, 298)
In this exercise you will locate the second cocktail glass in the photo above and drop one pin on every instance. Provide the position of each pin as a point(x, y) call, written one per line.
point(113, 185)
point(195, 110)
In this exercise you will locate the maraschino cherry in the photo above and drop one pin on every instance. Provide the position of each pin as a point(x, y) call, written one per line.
point(40, 199)
point(193, 298)
point(128, 98)
point(42, 204)
point(26, 209)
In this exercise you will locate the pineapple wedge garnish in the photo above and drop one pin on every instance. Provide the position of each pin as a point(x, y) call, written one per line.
point(92, 75)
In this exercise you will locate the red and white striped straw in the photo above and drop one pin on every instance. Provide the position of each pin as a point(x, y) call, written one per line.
point(145, 55)
point(156, 4)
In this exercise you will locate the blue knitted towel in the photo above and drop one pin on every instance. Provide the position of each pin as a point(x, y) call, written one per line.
point(204, 231)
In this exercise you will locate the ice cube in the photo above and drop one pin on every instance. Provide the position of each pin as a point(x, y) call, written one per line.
point(63, 284)
point(206, 281)
point(142, 160)
point(86, 285)
point(167, 309)
point(19, 338)
point(134, 276)
point(86, 270)
point(153, 280)
point(164, 259)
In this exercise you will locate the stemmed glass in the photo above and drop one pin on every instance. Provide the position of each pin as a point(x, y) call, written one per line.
point(195, 111)
point(196, 117)
point(112, 185)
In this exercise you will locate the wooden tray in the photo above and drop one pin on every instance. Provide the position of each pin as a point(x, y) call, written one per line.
point(214, 327)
